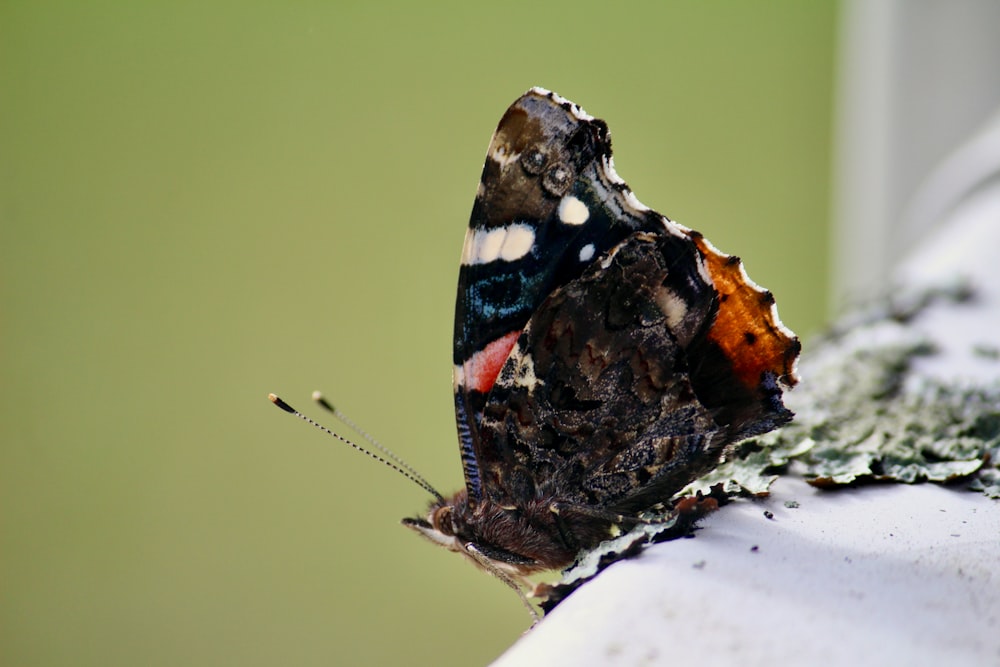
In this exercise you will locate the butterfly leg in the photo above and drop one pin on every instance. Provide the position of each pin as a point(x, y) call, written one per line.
point(484, 562)
point(615, 519)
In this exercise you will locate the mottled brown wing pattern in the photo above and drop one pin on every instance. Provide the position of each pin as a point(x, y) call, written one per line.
point(596, 405)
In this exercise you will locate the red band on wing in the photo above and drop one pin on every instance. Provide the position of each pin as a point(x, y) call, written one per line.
point(482, 368)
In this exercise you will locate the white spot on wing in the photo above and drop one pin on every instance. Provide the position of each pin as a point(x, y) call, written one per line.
point(526, 373)
point(572, 211)
point(467, 247)
point(673, 307)
point(503, 156)
point(517, 243)
point(509, 243)
point(488, 245)
point(521, 370)
point(587, 252)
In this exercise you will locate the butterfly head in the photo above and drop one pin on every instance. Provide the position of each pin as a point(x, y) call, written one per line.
point(439, 526)
point(512, 541)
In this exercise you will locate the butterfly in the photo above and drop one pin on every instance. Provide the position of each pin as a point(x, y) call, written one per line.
point(604, 355)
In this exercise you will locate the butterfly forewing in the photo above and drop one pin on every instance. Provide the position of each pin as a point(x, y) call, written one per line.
point(548, 205)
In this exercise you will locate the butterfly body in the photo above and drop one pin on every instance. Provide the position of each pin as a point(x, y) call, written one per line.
point(604, 355)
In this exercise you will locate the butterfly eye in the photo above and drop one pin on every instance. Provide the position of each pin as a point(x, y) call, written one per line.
point(533, 161)
point(441, 520)
point(556, 179)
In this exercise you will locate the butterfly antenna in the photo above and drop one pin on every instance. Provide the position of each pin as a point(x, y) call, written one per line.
point(370, 439)
point(392, 462)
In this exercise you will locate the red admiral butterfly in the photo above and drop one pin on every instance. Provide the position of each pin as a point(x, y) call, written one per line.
point(604, 355)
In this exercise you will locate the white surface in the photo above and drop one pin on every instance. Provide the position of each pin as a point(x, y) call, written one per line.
point(967, 249)
point(894, 574)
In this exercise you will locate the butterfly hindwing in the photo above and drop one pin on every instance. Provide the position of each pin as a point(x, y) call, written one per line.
point(595, 401)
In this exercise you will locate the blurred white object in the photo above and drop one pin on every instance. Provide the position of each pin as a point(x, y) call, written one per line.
point(917, 82)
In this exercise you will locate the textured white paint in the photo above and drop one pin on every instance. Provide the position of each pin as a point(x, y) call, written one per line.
point(572, 211)
point(587, 252)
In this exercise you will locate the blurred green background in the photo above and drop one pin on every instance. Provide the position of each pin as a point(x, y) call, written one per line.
point(204, 202)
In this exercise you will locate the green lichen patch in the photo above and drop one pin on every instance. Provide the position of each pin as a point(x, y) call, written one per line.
point(928, 433)
point(986, 351)
point(752, 468)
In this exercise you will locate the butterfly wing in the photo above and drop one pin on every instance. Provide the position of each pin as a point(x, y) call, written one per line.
point(607, 398)
point(548, 204)
point(558, 239)
point(596, 398)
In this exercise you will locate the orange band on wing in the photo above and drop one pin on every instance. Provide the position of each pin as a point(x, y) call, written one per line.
point(747, 328)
